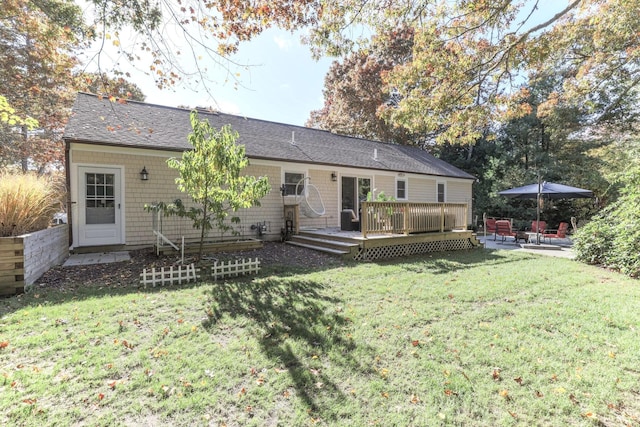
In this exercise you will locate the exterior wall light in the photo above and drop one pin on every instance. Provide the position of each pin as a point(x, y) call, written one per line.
point(334, 176)
point(144, 175)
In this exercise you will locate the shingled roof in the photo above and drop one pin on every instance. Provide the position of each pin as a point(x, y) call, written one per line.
point(136, 124)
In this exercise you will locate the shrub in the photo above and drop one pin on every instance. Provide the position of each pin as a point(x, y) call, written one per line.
point(612, 238)
point(27, 202)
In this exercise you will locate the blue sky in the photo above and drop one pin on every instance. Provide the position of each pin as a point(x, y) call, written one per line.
point(284, 84)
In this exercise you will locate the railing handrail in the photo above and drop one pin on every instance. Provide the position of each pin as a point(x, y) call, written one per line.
point(412, 217)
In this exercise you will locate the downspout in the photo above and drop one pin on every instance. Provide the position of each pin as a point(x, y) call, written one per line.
point(67, 174)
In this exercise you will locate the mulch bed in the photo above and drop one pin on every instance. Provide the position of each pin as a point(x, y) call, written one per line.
point(127, 273)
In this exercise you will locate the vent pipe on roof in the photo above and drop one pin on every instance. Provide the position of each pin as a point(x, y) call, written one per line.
point(293, 138)
point(375, 154)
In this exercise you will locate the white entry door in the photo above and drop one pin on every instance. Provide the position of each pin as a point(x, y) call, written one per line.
point(99, 206)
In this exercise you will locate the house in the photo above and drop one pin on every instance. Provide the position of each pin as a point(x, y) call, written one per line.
point(116, 154)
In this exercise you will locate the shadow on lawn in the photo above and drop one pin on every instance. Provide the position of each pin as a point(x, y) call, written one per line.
point(296, 321)
point(446, 262)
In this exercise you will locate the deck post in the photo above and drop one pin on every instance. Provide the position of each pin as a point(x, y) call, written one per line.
point(405, 217)
point(364, 224)
point(442, 217)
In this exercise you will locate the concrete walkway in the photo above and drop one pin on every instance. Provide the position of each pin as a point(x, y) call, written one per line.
point(96, 258)
point(560, 248)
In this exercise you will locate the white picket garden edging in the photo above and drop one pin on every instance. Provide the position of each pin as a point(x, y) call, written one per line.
point(188, 273)
point(170, 275)
point(221, 270)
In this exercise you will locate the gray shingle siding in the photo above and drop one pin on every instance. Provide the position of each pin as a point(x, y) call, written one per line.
point(141, 125)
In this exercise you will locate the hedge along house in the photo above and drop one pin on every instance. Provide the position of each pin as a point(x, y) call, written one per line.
point(116, 155)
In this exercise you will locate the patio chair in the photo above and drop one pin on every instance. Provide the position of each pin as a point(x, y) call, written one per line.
point(560, 233)
point(538, 226)
point(503, 229)
point(490, 227)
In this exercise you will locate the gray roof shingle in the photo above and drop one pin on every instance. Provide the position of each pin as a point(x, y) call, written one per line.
point(137, 124)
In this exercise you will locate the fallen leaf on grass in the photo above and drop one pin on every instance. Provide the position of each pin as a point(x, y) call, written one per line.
point(100, 396)
point(518, 380)
point(4, 344)
point(415, 399)
point(448, 392)
point(29, 401)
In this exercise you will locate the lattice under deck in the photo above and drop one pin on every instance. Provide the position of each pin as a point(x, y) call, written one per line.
point(412, 249)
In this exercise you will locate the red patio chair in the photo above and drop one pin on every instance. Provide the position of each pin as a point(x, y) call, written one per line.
point(538, 226)
point(503, 229)
point(560, 233)
point(490, 226)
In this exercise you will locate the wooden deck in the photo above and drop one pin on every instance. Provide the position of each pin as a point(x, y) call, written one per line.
point(353, 245)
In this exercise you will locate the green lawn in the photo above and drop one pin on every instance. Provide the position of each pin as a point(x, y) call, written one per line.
point(469, 338)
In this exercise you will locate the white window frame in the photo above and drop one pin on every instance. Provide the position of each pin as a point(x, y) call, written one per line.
point(444, 192)
point(405, 189)
point(297, 172)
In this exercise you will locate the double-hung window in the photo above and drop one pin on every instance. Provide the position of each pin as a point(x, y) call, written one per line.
point(441, 192)
point(291, 179)
point(401, 189)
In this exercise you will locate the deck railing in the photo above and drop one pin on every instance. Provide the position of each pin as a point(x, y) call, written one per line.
point(406, 218)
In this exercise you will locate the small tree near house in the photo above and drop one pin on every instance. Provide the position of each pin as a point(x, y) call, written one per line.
point(211, 175)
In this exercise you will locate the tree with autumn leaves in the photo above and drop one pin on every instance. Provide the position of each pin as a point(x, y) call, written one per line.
point(37, 43)
point(465, 67)
point(469, 59)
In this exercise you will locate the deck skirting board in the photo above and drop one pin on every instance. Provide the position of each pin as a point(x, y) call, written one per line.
point(399, 250)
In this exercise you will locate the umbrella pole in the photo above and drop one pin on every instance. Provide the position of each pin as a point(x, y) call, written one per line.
point(538, 213)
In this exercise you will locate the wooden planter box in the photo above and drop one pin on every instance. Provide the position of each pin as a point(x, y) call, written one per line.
point(213, 247)
point(23, 259)
point(11, 265)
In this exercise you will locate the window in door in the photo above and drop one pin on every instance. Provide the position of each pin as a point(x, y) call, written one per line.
point(100, 198)
point(364, 188)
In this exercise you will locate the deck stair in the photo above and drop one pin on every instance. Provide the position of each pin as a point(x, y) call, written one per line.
point(324, 243)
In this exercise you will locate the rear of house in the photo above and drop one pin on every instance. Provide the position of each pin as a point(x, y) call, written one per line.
point(110, 144)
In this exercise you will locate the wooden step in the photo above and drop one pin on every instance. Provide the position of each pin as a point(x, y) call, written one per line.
point(319, 248)
point(324, 242)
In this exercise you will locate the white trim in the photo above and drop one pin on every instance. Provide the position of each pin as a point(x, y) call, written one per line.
point(406, 188)
point(444, 183)
point(76, 181)
point(284, 171)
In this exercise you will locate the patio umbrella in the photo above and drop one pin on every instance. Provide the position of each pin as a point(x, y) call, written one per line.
point(549, 190)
